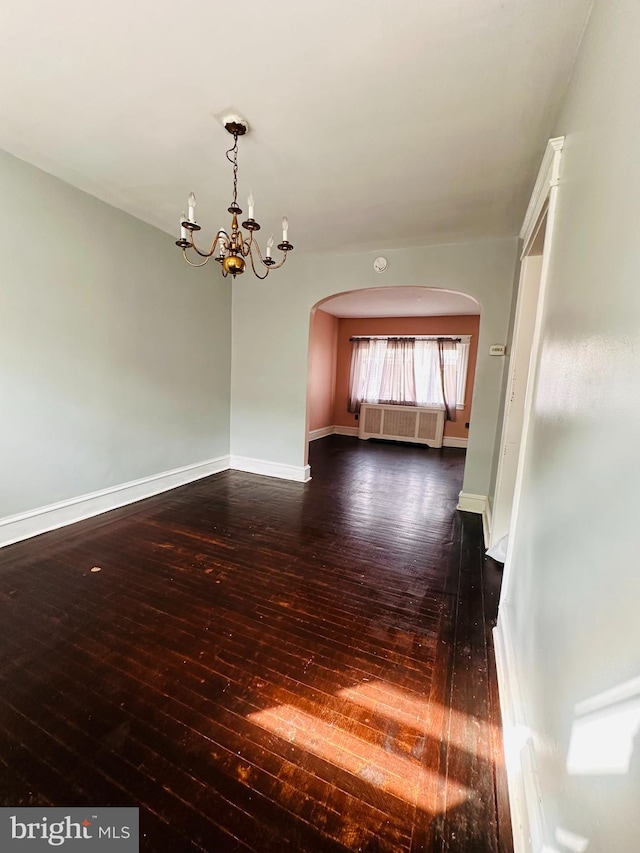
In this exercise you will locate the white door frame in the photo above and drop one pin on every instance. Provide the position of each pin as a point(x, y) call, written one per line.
point(518, 375)
point(543, 202)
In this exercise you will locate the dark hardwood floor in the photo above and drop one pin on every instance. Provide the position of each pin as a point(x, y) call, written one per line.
point(264, 665)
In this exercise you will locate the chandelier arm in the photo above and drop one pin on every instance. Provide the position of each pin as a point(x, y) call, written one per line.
point(281, 264)
point(269, 266)
point(245, 245)
point(257, 246)
point(211, 250)
point(253, 267)
point(191, 264)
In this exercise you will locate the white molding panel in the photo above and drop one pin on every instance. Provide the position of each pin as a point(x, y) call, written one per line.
point(321, 433)
point(299, 473)
point(525, 802)
point(454, 441)
point(14, 528)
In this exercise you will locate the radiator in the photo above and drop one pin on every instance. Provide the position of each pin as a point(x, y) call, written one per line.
point(402, 423)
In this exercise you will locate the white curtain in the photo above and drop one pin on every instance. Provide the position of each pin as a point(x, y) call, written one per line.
point(398, 376)
point(367, 366)
point(408, 372)
point(427, 367)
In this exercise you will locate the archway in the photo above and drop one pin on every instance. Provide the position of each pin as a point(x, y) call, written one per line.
point(420, 312)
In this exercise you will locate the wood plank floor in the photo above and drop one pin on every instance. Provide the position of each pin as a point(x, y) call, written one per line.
point(264, 665)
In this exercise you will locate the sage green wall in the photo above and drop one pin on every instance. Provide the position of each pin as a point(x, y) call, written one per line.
point(271, 334)
point(114, 354)
point(573, 605)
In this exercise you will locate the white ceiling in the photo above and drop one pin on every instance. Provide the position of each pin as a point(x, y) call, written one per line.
point(399, 302)
point(374, 123)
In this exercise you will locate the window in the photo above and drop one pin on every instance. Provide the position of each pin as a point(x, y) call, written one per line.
point(428, 372)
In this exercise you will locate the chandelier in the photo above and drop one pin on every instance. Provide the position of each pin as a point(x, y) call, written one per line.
point(230, 250)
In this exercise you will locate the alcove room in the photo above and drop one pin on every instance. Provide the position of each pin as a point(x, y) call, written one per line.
point(409, 314)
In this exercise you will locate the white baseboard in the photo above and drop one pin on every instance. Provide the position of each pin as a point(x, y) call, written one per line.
point(525, 802)
point(481, 505)
point(453, 441)
point(14, 528)
point(447, 441)
point(300, 473)
point(486, 523)
point(320, 433)
point(344, 430)
point(472, 503)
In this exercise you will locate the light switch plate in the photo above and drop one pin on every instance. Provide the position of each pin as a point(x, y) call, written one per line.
point(497, 349)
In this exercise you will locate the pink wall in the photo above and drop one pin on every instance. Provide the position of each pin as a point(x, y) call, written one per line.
point(450, 325)
point(323, 344)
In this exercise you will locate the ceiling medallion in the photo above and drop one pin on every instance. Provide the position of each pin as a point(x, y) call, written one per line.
point(230, 250)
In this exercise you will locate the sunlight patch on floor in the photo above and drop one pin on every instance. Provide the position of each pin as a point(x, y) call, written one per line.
point(399, 776)
point(465, 732)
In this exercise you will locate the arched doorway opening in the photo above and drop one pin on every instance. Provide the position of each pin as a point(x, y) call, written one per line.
point(420, 313)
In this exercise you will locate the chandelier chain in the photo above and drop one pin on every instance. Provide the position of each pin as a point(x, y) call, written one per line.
point(234, 161)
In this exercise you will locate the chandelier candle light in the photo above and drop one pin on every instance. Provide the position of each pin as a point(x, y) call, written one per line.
point(230, 250)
